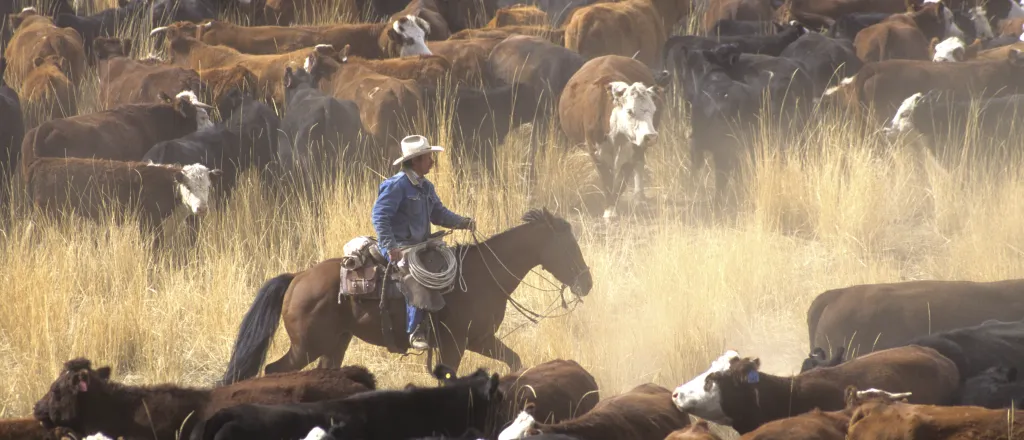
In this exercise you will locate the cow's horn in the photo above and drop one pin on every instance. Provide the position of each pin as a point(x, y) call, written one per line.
point(157, 30)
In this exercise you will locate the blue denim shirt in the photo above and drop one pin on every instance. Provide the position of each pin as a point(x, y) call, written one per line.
point(404, 211)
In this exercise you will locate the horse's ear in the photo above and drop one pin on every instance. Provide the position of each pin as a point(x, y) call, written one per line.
point(103, 373)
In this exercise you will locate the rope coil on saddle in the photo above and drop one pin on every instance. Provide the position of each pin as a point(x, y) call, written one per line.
point(443, 280)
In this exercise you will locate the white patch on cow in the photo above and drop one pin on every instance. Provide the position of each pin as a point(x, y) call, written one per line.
point(845, 82)
point(414, 31)
point(950, 50)
point(692, 398)
point(519, 429)
point(982, 28)
point(194, 188)
point(1021, 38)
point(952, 30)
point(323, 46)
point(97, 436)
point(875, 392)
point(902, 122)
point(316, 433)
point(206, 25)
point(307, 63)
point(1016, 11)
point(153, 57)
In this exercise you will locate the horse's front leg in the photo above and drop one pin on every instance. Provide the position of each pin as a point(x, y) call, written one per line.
point(493, 348)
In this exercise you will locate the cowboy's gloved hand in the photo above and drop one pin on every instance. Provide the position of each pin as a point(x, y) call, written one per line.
point(468, 223)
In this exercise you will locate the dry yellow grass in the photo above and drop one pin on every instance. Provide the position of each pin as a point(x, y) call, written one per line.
point(674, 285)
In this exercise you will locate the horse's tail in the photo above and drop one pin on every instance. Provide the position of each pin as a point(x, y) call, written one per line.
point(257, 329)
point(816, 309)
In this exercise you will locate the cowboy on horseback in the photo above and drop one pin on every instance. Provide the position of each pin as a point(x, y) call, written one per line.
point(406, 206)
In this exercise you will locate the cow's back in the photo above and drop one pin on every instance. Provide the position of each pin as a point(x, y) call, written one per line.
point(627, 28)
point(898, 312)
point(39, 37)
point(585, 106)
point(534, 61)
point(928, 375)
point(560, 389)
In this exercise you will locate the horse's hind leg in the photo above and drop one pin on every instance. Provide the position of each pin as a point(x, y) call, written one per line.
point(493, 348)
point(333, 357)
point(294, 360)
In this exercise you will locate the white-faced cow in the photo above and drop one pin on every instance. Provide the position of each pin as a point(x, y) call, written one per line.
point(612, 107)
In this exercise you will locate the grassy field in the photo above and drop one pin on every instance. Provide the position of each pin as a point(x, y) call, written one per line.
point(675, 284)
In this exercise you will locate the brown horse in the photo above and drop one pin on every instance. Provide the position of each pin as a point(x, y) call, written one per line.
point(320, 327)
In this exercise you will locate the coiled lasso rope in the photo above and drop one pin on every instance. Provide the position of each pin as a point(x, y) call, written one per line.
point(442, 280)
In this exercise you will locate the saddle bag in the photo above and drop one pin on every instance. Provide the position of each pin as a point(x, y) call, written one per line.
point(359, 281)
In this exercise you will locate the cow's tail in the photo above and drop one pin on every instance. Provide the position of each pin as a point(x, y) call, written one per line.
point(816, 309)
point(257, 329)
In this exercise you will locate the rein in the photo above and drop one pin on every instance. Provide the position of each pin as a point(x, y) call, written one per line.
point(530, 315)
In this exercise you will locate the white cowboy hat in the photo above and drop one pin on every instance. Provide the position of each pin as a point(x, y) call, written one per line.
point(416, 145)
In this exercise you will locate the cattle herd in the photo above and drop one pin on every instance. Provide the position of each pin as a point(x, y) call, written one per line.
point(914, 360)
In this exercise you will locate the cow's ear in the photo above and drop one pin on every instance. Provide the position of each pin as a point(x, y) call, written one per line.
point(163, 97)
point(38, 61)
point(15, 20)
point(423, 25)
point(344, 53)
point(179, 176)
point(103, 373)
point(617, 89)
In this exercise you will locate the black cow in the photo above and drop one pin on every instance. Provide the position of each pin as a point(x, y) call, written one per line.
point(759, 44)
point(994, 388)
point(1000, 41)
point(101, 24)
point(484, 117)
point(457, 406)
point(978, 348)
point(165, 12)
point(12, 128)
point(817, 359)
point(314, 120)
point(734, 28)
point(826, 60)
point(944, 122)
point(848, 26)
point(247, 137)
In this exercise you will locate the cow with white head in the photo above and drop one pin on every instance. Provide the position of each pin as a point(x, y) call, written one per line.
point(612, 106)
point(410, 34)
point(696, 398)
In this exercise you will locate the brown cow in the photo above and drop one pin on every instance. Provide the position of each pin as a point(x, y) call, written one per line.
point(1011, 26)
point(47, 85)
point(630, 28)
point(386, 104)
point(425, 69)
point(257, 40)
point(123, 133)
point(35, 36)
point(748, 398)
point(644, 413)
point(186, 51)
point(127, 81)
point(906, 36)
point(888, 420)
point(696, 431)
point(88, 401)
point(556, 36)
point(558, 390)
point(1002, 52)
point(32, 429)
point(60, 185)
point(817, 424)
point(612, 106)
point(468, 57)
point(216, 83)
point(880, 316)
point(285, 12)
point(519, 15)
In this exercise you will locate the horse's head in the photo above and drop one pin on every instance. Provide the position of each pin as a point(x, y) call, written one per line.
point(561, 254)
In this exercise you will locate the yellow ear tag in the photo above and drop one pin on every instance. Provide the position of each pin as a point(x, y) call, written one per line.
point(447, 375)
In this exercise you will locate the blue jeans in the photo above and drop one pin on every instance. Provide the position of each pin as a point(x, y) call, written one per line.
point(414, 316)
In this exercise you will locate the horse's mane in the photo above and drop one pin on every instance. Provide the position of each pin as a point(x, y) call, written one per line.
point(531, 217)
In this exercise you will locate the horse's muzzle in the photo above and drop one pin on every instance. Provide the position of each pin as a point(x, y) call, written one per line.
point(582, 285)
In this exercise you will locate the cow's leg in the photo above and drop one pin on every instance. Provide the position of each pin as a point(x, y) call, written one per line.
point(493, 348)
point(334, 357)
point(639, 168)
